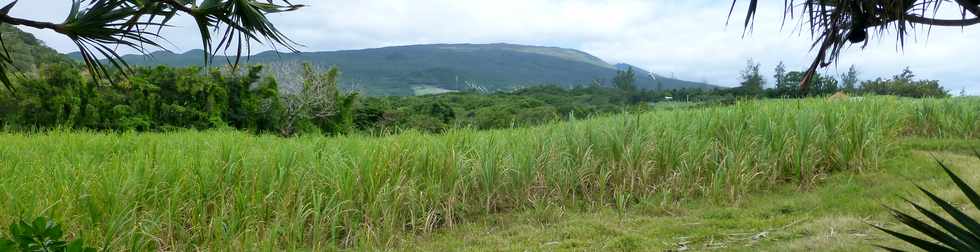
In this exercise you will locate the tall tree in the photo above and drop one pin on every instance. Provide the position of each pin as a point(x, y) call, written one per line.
point(780, 77)
point(626, 81)
point(99, 27)
point(836, 23)
point(752, 82)
point(850, 79)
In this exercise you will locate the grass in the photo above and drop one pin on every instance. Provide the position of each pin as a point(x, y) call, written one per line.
point(835, 216)
point(233, 191)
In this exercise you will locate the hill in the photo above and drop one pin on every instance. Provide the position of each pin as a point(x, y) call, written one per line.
point(27, 51)
point(404, 70)
point(673, 83)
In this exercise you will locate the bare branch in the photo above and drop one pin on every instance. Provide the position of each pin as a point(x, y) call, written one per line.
point(942, 22)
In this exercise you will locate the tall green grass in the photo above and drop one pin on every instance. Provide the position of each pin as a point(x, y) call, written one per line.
point(235, 191)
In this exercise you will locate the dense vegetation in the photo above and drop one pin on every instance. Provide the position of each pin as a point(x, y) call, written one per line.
point(152, 99)
point(229, 190)
point(164, 98)
point(524, 107)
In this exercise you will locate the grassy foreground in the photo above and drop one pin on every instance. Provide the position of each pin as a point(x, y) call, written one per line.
point(835, 216)
point(233, 191)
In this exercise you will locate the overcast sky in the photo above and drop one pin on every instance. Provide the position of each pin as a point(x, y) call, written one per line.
point(687, 39)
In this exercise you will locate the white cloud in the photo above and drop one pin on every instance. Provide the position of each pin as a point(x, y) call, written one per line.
point(686, 38)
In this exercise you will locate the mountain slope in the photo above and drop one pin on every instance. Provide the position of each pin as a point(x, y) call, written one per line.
point(26, 51)
point(397, 70)
point(673, 83)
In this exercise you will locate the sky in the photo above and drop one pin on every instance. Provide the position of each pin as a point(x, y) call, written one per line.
point(685, 39)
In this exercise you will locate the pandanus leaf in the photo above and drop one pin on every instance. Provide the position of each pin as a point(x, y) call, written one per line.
point(951, 237)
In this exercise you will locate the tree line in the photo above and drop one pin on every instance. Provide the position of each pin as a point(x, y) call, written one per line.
point(162, 98)
point(787, 84)
point(61, 95)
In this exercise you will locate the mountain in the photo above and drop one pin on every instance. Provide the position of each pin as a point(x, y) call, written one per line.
point(26, 51)
point(403, 70)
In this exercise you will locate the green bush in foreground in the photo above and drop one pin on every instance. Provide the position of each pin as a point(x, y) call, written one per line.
point(950, 236)
point(41, 235)
point(227, 190)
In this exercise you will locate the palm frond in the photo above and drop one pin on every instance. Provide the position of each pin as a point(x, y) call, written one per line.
point(5, 59)
point(964, 235)
point(105, 23)
point(243, 22)
point(100, 27)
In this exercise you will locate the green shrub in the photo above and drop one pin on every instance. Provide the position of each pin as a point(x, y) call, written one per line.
point(41, 235)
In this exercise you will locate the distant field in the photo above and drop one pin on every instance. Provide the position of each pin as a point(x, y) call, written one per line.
point(230, 191)
point(430, 90)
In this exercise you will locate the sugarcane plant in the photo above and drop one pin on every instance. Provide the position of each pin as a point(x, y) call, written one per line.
point(99, 27)
point(945, 234)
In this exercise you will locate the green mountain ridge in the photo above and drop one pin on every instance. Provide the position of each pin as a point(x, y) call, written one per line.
point(401, 70)
point(26, 51)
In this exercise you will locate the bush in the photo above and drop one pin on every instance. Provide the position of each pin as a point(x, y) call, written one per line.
point(40, 235)
point(151, 99)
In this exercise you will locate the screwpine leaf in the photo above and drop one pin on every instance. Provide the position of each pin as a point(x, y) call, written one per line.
point(957, 242)
point(889, 249)
point(920, 243)
point(967, 222)
point(966, 189)
point(6, 9)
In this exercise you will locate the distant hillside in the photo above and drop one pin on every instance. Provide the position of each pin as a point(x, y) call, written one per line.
point(644, 74)
point(403, 70)
point(27, 51)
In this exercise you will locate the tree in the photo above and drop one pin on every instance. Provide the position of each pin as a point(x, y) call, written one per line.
point(850, 80)
point(820, 85)
point(101, 26)
point(626, 82)
point(904, 84)
point(782, 86)
point(834, 24)
point(319, 104)
point(823, 85)
point(157, 98)
point(752, 82)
